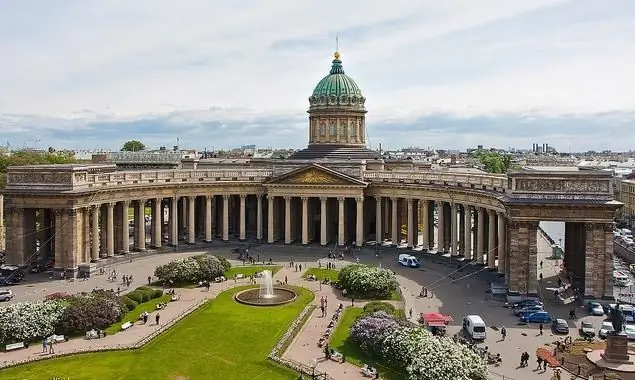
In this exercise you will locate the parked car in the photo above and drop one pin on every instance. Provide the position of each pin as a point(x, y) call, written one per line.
point(595, 308)
point(605, 329)
point(528, 310)
point(560, 326)
point(629, 330)
point(587, 330)
point(539, 317)
point(526, 303)
point(6, 295)
point(5, 281)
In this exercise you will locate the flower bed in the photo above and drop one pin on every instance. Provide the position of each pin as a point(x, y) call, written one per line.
point(367, 282)
point(25, 321)
point(415, 350)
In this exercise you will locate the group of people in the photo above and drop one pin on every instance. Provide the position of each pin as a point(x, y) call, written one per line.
point(145, 315)
point(329, 328)
point(329, 265)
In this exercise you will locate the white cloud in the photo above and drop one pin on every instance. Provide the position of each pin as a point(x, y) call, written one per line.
point(243, 60)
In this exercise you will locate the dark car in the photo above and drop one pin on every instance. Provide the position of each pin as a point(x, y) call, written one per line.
point(560, 326)
point(526, 303)
point(6, 281)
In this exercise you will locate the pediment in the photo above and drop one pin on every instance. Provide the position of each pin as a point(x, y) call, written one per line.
point(316, 175)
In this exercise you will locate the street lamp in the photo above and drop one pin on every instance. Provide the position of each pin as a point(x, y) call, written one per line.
point(313, 364)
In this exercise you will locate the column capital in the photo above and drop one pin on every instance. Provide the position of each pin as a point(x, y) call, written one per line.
point(607, 227)
point(242, 196)
point(226, 196)
point(410, 200)
point(158, 200)
point(304, 199)
point(208, 197)
point(341, 199)
point(259, 196)
point(480, 210)
point(324, 199)
point(359, 199)
point(271, 197)
point(501, 214)
point(394, 199)
point(491, 212)
point(110, 204)
point(95, 207)
point(287, 198)
point(126, 203)
point(589, 226)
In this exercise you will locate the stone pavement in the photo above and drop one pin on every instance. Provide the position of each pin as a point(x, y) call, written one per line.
point(303, 349)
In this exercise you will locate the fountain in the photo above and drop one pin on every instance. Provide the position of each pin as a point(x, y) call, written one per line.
point(266, 285)
point(266, 294)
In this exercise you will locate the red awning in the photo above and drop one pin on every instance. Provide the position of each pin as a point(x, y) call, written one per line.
point(436, 319)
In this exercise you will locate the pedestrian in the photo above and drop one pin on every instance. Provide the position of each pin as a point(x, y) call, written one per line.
point(540, 264)
point(503, 333)
point(296, 267)
point(522, 359)
point(286, 280)
point(44, 345)
point(326, 301)
point(352, 301)
point(300, 267)
point(145, 318)
point(322, 310)
point(157, 318)
point(410, 313)
point(320, 285)
point(544, 365)
point(149, 280)
point(52, 345)
point(540, 276)
point(118, 291)
point(540, 327)
point(539, 361)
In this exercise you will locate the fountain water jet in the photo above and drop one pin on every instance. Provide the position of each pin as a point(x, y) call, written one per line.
point(266, 285)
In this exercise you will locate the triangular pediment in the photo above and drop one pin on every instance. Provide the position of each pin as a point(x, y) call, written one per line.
point(316, 175)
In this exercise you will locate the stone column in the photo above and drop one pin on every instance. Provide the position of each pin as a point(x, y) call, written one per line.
point(410, 223)
point(225, 217)
point(15, 236)
point(501, 243)
point(110, 230)
point(305, 220)
point(440, 227)
point(467, 221)
point(191, 220)
point(125, 230)
point(359, 228)
point(453, 230)
point(287, 219)
point(425, 218)
point(174, 221)
point(94, 252)
point(491, 241)
point(340, 222)
point(156, 223)
point(323, 213)
point(243, 216)
point(140, 225)
point(259, 217)
point(395, 223)
point(379, 237)
point(480, 233)
point(387, 214)
point(3, 235)
point(208, 218)
point(270, 213)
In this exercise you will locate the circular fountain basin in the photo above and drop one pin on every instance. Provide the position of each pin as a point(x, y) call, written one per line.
point(252, 297)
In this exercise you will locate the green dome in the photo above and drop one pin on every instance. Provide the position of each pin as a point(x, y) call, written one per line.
point(337, 88)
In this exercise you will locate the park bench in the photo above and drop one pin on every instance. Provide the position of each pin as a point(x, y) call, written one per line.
point(126, 326)
point(369, 371)
point(15, 346)
point(337, 356)
point(58, 338)
point(239, 276)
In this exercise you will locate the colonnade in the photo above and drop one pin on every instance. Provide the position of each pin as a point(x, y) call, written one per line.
point(462, 230)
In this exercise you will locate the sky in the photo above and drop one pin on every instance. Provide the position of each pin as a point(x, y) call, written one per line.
point(452, 74)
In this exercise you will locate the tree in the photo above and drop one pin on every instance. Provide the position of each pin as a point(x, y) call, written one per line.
point(494, 162)
point(23, 158)
point(133, 146)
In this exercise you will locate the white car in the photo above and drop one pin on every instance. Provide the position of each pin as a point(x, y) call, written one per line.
point(629, 330)
point(418, 248)
point(6, 294)
point(403, 244)
point(596, 309)
point(386, 243)
point(605, 329)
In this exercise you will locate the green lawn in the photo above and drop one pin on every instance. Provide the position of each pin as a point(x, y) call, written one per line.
point(222, 340)
point(249, 270)
point(133, 316)
point(340, 342)
point(320, 273)
point(394, 296)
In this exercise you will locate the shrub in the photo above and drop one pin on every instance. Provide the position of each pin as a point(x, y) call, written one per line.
point(191, 269)
point(369, 332)
point(25, 321)
point(144, 288)
point(366, 281)
point(158, 293)
point(375, 306)
point(130, 304)
point(136, 296)
point(89, 312)
point(225, 263)
point(146, 295)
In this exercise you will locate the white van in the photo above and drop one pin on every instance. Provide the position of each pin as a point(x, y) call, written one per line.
point(474, 327)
